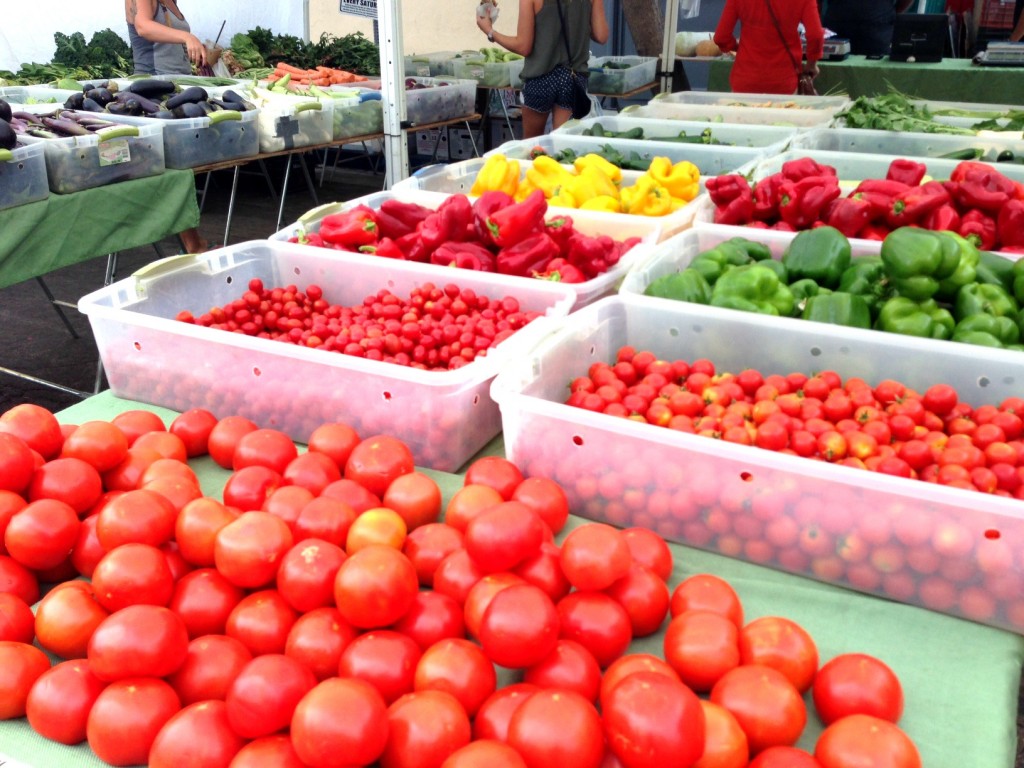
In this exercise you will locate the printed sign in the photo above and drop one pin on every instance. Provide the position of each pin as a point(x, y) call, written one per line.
point(114, 152)
point(367, 8)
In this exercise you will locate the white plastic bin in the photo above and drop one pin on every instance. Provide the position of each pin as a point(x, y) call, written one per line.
point(658, 132)
point(22, 176)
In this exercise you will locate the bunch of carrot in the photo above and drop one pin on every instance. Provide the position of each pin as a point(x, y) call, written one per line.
point(316, 76)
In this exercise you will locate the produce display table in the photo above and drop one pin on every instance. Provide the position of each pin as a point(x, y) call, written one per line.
point(40, 237)
point(960, 679)
point(946, 80)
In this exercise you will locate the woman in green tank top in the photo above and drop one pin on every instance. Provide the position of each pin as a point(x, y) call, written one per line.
point(547, 81)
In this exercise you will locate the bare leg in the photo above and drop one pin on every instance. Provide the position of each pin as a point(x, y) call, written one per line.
point(193, 241)
point(560, 115)
point(533, 123)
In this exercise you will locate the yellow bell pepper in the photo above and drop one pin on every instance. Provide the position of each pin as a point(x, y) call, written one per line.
point(602, 183)
point(498, 173)
point(523, 190)
point(682, 180)
point(547, 174)
point(594, 160)
point(645, 198)
point(563, 198)
point(605, 203)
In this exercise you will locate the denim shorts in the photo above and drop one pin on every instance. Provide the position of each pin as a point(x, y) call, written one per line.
point(542, 94)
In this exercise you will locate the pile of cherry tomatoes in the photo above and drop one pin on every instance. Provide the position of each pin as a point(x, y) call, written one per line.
point(319, 613)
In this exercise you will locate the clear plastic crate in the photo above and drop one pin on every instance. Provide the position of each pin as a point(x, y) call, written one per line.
point(758, 100)
point(22, 176)
point(654, 131)
point(363, 118)
point(942, 548)
point(588, 222)
point(293, 388)
point(631, 73)
point(83, 162)
point(35, 94)
point(497, 74)
point(437, 99)
point(433, 64)
point(284, 124)
point(662, 108)
point(904, 144)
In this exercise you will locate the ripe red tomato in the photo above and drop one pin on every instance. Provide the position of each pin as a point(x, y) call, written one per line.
point(376, 461)
point(503, 536)
point(16, 464)
point(59, 701)
point(249, 488)
point(857, 684)
point(497, 472)
point(41, 534)
point(780, 643)
point(204, 599)
point(424, 728)
point(570, 667)
point(194, 427)
point(725, 743)
point(66, 619)
point(248, 550)
point(384, 658)
point(597, 622)
point(519, 627)
point(18, 580)
point(468, 502)
point(17, 622)
point(456, 576)
point(491, 721)
point(224, 436)
point(132, 574)
point(352, 493)
point(544, 570)
point(645, 597)
point(70, 480)
point(269, 448)
point(480, 596)
point(276, 750)
point(262, 698)
point(459, 667)
point(317, 639)
point(198, 734)
point(286, 502)
point(376, 526)
point(138, 641)
point(335, 440)
point(766, 704)
point(136, 516)
point(784, 757)
point(312, 471)
point(21, 665)
point(416, 497)
point(99, 443)
point(375, 587)
point(432, 617)
point(707, 592)
point(558, 728)
point(649, 549)
point(305, 577)
point(127, 716)
point(211, 665)
point(136, 422)
point(262, 621)
point(324, 518)
point(196, 528)
point(485, 753)
point(166, 445)
point(701, 646)
point(10, 502)
point(627, 665)
point(37, 426)
point(595, 556)
point(858, 740)
point(427, 545)
point(545, 497)
point(340, 717)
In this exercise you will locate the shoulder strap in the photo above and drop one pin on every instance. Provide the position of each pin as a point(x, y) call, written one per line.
point(565, 35)
point(782, 37)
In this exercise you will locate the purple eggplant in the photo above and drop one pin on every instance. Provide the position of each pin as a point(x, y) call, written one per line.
point(148, 106)
point(5, 111)
point(65, 126)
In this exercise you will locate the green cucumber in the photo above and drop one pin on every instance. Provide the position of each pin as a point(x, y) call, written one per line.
point(220, 115)
point(117, 132)
point(308, 105)
point(6, 155)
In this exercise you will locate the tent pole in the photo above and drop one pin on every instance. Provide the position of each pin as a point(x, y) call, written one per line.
point(668, 48)
point(392, 73)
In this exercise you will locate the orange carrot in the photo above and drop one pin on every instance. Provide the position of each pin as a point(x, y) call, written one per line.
point(291, 69)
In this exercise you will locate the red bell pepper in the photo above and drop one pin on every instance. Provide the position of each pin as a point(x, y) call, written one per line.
point(782, 226)
point(850, 215)
point(986, 190)
point(465, 256)
point(803, 202)
point(489, 202)
point(875, 231)
point(561, 271)
point(385, 247)
point(944, 218)
point(1010, 224)
point(914, 204)
point(909, 172)
point(724, 189)
point(968, 167)
point(766, 197)
point(308, 238)
point(408, 215)
point(978, 227)
point(802, 168)
point(592, 255)
point(412, 247)
point(351, 228)
point(453, 220)
point(880, 193)
point(527, 256)
point(561, 230)
point(518, 221)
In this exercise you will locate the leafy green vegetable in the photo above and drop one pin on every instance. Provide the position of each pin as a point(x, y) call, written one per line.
point(354, 52)
point(245, 52)
point(894, 111)
point(105, 55)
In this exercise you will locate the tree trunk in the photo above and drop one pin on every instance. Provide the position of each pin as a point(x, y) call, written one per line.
point(646, 23)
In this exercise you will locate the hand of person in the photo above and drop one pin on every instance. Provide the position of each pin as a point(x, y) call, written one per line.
point(485, 24)
point(196, 50)
point(812, 70)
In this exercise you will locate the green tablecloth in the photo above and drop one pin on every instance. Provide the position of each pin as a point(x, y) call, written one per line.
point(946, 80)
point(65, 229)
point(961, 679)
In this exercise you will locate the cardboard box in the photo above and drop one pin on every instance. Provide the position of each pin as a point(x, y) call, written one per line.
point(427, 141)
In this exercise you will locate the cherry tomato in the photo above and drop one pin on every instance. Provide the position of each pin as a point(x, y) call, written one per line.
point(468, 502)
point(21, 665)
point(17, 622)
point(248, 550)
point(211, 665)
point(305, 577)
point(765, 703)
point(597, 622)
point(335, 440)
point(37, 426)
point(416, 497)
point(558, 728)
point(132, 574)
point(701, 646)
point(317, 639)
point(224, 436)
point(198, 734)
point(376, 461)
point(375, 587)
point(857, 740)
point(194, 427)
point(340, 716)
point(41, 534)
point(59, 701)
point(707, 592)
point(262, 621)
point(725, 743)
point(66, 619)
point(569, 667)
point(857, 684)
point(459, 667)
point(204, 599)
point(138, 641)
point(262, 698)
point(432, 617)
point(503, 536)
point(485, 753)
point(495, 471)
point(595, 556)
point(424, 728)
point(545, 497)
point(519, 627)
point(780, 643)
point(127, 716)
point(384, 658)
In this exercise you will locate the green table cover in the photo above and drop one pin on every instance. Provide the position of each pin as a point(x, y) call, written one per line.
point(40, 237)
point(960, 679)
point(946, 80)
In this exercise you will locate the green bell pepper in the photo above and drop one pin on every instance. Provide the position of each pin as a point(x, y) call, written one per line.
point(983, 298)
point(912, 318)
point(995, 270)
point(838, 309)
point(756, 251)
point(714, 262)
point(753, 288)
point(916, 260)
point(777, 267)
point(822, 254)
point(687, 285)
point(1018, 279)
point(987, 330)
point(805, 289)
point(966, 271)
point(865, 277)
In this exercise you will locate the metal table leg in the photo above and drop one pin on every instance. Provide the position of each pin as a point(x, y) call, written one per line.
point(231, 203)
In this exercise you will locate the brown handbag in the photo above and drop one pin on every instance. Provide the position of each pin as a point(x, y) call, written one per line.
point(804, 80)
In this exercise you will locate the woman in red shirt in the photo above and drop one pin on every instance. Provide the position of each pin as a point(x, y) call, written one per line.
point(762, 63)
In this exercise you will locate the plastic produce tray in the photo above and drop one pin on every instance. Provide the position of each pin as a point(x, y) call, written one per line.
point(662, 108)
point(361, 118)
point(83, 162)
point(640, 70)
point(194, 141)
point(905, 144)
point(946, 549)
point(305, 123)
point(448, 414)
point(757, 100)
point(654, 131)
point(35, 94)
point(589, 222)
point(501, 74)
point(710, 159)
point(23, 176)
point(459, 177)
point(432, 64)
point(442, 99)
